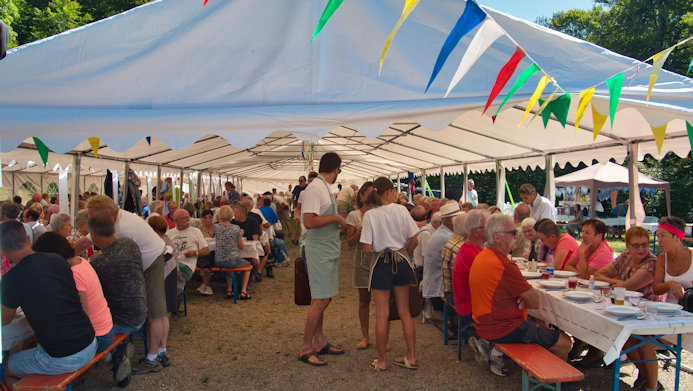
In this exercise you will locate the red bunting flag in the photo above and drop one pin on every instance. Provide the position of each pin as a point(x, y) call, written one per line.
point(504, 75)
point(204, 3)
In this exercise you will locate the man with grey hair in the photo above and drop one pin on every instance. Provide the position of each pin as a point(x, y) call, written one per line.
point(188, 244)
point(433, 262)
point(472, 195)
point(521, 212)
point(540, 207)
point(500, 295)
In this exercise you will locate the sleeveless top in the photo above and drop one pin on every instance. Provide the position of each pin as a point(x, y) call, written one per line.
point(684, 279)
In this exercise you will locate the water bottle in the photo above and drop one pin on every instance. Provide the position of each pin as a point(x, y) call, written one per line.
point(592, 282)
point(549, 263)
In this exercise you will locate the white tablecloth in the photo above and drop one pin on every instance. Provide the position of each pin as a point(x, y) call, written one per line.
point(588, 322)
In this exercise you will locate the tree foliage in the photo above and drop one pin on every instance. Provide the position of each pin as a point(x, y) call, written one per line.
point(635, 28)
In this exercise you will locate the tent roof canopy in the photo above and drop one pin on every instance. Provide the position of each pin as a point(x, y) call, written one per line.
point(237, 87)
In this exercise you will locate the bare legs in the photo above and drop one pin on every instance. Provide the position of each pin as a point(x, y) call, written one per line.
point(382, 312)
point(364, 307)
point(313, 339)
point(646, 370)
point(158, 333)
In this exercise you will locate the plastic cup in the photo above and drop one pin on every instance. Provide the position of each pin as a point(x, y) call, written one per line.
point(606, 293)
point(619, 295)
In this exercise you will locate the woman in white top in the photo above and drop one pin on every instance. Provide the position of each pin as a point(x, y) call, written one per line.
point(674, 272)
point(389, 233)
point(361, 266)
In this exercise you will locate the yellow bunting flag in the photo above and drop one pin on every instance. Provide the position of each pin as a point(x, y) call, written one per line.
point(535, 97)
point(94, 142)
point(585, 98)
point(657, 62)
point(599, 121)
point(659, 132)
point(408, 7)
point(543, 106)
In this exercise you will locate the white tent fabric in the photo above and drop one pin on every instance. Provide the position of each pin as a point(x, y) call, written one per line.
point(610, 175)
point(236, 87)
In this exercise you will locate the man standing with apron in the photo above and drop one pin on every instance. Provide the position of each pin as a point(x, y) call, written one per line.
point(319, 214)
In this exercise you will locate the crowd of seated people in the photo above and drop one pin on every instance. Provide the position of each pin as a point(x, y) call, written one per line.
point(463, 255)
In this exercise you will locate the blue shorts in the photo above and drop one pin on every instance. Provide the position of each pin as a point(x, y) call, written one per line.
point(38, 361)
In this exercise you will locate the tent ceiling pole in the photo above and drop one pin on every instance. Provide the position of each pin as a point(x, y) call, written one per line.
point(500, 184)
point(464, 183)
point(496, 139)
point(74, 208)
point(442, 183)
point(124, 185)
point(180, 192)
point(158, 183)
point(452, 146)
point(550, 186)
point(633, 185)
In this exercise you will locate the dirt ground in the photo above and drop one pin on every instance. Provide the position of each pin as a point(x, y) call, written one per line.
point(253, 345)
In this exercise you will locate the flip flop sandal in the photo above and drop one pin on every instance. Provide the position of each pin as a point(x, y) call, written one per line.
point(245, 296)
point(405, 363)
point(306, 359)
point(328, 349)
point(359, 346)
point(374, 365)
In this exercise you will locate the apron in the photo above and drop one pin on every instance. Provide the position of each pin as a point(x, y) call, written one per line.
point(397, 259)
point(322, 246)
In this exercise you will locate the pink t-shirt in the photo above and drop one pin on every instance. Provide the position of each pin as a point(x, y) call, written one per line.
point(569, 243)
point(601, 256)
point(86, 280)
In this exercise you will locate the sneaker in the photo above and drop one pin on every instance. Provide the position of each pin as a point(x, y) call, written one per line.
point(202, 289)
point(480, 348)
point(146, 366)
point(163, 360)
point(285, 263)
point(208, 291)
point(258, 277)
point(122, 365)
point(497, 365)
point(270, 274)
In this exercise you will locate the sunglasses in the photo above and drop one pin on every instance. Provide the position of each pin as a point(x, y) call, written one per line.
point(513, 232)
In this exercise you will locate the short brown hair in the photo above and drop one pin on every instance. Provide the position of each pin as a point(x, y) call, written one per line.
point(598, 225)
point(547, 227)
point(635, 232)
point(158, 224)
point(329, 162)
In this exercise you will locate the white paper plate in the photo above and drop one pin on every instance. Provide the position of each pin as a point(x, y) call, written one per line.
point(564, 274)
point(579, 295)
point(621, 310)
point(548, 284)
point(597, 284)
point(530, 275)
point(664, 307)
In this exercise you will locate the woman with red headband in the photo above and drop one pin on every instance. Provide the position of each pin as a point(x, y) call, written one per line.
point(674, 273)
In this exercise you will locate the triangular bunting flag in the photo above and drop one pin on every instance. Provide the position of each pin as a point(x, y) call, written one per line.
point(149, 140)
point(689, 127)
point(560, 107)
point(204, 3)
point(408, 7)
point(545, 114)
point(585, 99)
point(544, 106)
point(690, 66)
point(657, 62)
point(42, 150)
point(94, 142)
point(504, 75)
point(488, 33)
point(599, 121)
point(521, 80)
point(615, 84)
point(330, 9)
point(535, 96)
point(659, 133)
point(472, 16)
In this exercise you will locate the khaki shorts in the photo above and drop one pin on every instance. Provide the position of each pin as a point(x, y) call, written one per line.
point(156, 293)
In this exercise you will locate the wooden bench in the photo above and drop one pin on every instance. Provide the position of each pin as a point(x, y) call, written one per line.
point(233, 271)
point(64, 381)
point(540, 366)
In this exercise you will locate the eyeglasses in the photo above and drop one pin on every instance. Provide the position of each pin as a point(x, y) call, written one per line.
point(513, 232)
point(639, 245)
point(480, 227)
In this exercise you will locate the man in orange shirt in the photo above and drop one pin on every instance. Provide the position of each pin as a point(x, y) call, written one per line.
point(500, 296)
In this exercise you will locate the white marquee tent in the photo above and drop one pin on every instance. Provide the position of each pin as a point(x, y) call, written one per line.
point(237, 89)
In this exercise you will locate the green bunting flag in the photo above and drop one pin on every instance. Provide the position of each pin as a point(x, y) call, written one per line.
point(330, 9)
point(545, 114)
point(42, 150)
point(690, 66)
point(615, 84)
point(560, 107)
point(689, 127)
point(521, 80)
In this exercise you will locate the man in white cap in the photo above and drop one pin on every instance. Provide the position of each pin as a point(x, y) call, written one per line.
point(432, 277)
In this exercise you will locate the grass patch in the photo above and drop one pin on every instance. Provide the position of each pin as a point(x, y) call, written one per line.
point(205, 380)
